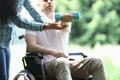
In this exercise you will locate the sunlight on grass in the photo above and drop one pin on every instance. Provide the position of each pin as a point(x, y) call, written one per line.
point(112, 71)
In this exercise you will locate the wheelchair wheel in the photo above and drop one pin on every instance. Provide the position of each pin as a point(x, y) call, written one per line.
point(24, 75)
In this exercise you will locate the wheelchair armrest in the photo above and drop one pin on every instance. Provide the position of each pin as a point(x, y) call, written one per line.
point(78, 53)
point(39, 55)
point(31, 56)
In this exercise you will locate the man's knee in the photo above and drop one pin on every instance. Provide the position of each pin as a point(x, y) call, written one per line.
point(63, 61)
point(96, 63)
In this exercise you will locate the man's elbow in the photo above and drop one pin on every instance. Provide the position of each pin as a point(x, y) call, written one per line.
point(31, 49)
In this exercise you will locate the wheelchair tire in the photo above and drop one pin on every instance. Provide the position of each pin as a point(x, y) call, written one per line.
point(25, 74)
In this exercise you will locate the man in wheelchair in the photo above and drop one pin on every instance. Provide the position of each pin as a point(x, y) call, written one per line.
point(53, 46)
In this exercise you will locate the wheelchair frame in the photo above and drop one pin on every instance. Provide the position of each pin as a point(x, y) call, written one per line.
point(34, 69)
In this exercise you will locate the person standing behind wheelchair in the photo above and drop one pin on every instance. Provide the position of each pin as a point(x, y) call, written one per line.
point(53, 45)
point(9, 17)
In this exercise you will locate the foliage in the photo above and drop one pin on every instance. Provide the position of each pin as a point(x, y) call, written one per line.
point(99, 23)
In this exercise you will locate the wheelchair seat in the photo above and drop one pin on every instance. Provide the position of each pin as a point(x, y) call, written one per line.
point(34, 69)
point(33, 63)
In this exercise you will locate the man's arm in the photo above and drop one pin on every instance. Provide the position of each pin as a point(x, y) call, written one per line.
point(32, 46)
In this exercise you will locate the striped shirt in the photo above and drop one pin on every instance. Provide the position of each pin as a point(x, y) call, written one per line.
point(21, 22)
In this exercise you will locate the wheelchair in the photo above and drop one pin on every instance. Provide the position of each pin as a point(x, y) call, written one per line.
point(34, 68)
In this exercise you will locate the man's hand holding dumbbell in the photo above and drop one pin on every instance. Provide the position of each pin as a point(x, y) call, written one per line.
point(66, 18)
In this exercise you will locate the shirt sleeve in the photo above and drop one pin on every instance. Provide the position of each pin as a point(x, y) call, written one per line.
point(37, 16)
point(30, 32)
point(23, 22)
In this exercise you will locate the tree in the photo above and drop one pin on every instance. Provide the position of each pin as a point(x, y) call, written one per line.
point(99, 23)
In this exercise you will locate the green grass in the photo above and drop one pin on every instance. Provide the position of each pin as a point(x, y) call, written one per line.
point(112, 71)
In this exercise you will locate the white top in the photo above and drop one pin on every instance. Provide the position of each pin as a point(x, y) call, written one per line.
point(53, 39)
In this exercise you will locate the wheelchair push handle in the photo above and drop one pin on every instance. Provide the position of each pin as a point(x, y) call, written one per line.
point(78, 53)
point(21, 36)
point(75, 15)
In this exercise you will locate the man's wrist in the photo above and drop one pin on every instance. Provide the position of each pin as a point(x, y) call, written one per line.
point(64, 24)
point(45, 26)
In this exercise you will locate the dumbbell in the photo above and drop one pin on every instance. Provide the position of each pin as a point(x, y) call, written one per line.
point(75, 15)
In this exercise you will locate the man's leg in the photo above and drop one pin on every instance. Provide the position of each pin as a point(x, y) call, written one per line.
point(59, 69)
point(87, 67)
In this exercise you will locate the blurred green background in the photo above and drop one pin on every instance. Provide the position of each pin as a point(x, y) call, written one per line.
point(97, 32)
point(99, 24)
